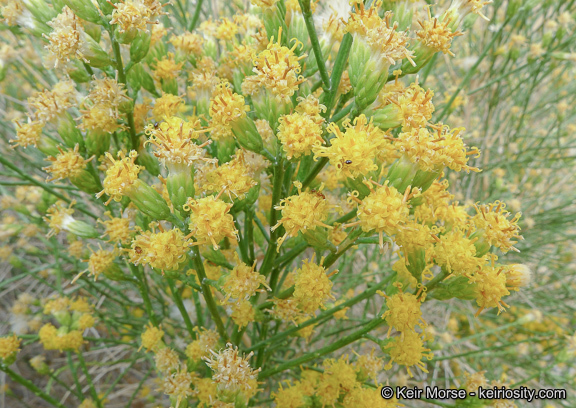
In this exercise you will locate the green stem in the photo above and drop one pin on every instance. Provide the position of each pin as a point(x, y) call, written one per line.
point(207, 293)
point(93, 392)
point(356, 299)
point(180, 305)
point(196, 15)
point(144, 290)
point(371, 325)
point(339, 65)
point(43, 186)
point(309, 20)
point(37, 391)
point(122, 79)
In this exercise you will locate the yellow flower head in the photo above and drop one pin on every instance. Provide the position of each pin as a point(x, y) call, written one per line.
point(436, 35)
point(277, 70)
point(491, 288)
point(243, 282)
point(152, 338)
point(226, 30)
point(382, 37)
point(167, 106)
point(68, 164)
point(51, 339)
point(49, 105)
point(100, 261)
point(243, 313)
point(107, 91)
point(302, 212)
point(413, 237)
point(298, 133)
point(178, 384)
point(199, 348)
point(101, 118)
point(408, 350)
point(456, 252)
point(230, 370)
point(9, 345)
point(188, 43)
point(164, 250)
point(289, 397)
point(368, 397)
point(433, 152)
point(117, 229)
point(166, 360)
point(173, 142)
point(210, 220)
point(120, 176)
point(341, 371)
point(64, 42)
point(167, 68)
point(27, 134)
point(233, 178)
point(226, 107)
point(384, 210)
point(403, 312)
point(59, 217)
point(135, 14)
point(494, 226)
point(312, 287)
point(353, 152)
point(414, 106)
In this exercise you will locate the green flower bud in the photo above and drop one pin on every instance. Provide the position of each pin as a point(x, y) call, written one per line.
point(247, 135)
point(140, 46)
point(95, 55)
point(84, 9)
point(97, 142)
point(81, 229)
point(68, 131)
point(87, 182)
point(180, 187)
point(454, 287)
point(149, 201)
point(115, 273)
point(78, 72)
point(41, 10)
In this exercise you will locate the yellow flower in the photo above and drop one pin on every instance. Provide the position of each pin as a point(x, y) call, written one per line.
point(166, 360)
point(354, 151)
point(494, 226)
point(231, 370)
point(242, 313)
point(117, 229)
point(167, 106)
point(289, 397)
point(490, 288)
point(188, 43)
point(135, 14)
point(302, 213)
point(277, 70)
point(226, 107)
point(173, 142)
point(27, 134)
point(52, 339)
point(408, 350)
point(226, 30)
point(384, 210)
point(152, 338)
point(210, 221)
point(243, 282)
point(164, 250)
point(100, 261)
point(456, 252)
point(436, 35)
point(68, 164)
point(64, 42)
point(9, 345)
point(167, 68)
point(403, 312)
point(207, 340)
point(298, 133)
point(233, 178)
point(178, 384)
point(49, 105)
point(120, 176)
point(312, 287)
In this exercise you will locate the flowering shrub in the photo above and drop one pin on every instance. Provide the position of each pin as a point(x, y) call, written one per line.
point(273, 206)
